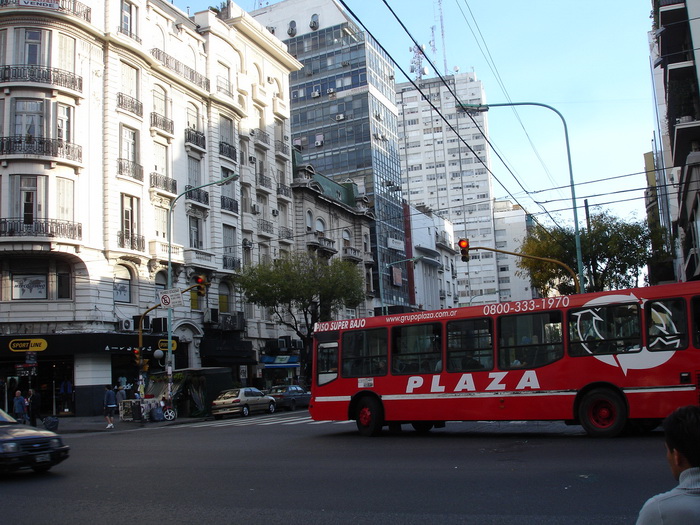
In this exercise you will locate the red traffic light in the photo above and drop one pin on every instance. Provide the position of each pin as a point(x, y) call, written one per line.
point(464, 249)
point(201, 282)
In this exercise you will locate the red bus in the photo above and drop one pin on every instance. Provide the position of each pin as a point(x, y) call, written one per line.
point(602, 360)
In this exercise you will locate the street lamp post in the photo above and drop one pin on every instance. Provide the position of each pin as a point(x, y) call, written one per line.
point(577, 235)
point(169, 360)
point(381, 279)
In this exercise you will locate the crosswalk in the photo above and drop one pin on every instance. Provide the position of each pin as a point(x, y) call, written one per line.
point(264, 420)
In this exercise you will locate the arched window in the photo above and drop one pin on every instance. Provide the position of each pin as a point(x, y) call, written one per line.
point(320, 227)
point(122, 284)
point(309, 221)
point(347, 238)
point(225, 298)
point(192, 116)
point(159, 101)
point(161, 283)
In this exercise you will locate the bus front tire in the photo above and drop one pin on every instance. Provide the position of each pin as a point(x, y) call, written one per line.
point(369, 417)
point(602, 413)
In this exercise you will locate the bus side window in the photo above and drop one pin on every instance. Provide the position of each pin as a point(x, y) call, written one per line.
point(666, 324)
point(469, 345)
point(364, 353)
point(416, 349)
point(326, 363)
point(609, 329)
point(530, 340)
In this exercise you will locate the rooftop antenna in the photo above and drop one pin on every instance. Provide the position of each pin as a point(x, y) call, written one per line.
point(417, 61)
point(442, 35)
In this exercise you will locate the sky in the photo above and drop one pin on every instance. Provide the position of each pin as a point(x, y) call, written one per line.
point(588, 60)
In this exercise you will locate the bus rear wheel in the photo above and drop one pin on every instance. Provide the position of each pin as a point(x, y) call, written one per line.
point(602, 413)
point(369, 417)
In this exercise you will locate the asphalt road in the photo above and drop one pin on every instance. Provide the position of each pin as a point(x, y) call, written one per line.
point(285, 469)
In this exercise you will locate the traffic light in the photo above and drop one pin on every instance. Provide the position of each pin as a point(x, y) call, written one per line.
point(464, 249)
point(137, 356)
point(201, 282)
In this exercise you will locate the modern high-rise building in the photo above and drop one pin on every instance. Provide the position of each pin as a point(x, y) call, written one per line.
point(452, 178)
point(344, 121)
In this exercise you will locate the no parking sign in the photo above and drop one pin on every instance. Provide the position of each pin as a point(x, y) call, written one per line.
point(170, 298)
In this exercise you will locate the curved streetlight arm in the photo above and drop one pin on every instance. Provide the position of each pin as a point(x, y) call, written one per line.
point(480, 108)
point(568, 268)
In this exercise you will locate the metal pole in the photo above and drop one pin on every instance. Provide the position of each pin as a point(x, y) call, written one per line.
point(169, 360)
point(577, 234)
point(387, 265)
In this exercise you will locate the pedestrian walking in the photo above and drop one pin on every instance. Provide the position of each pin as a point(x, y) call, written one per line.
point(19, 407)
point(33, 406)
point(681, 505)
point(110, 405)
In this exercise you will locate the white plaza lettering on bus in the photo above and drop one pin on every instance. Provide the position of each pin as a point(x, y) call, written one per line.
point(528, 380)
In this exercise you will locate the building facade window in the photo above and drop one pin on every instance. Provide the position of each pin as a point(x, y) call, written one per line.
point(122, 284)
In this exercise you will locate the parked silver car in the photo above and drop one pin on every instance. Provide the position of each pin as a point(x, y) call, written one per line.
point(241, 401)
point(290, 396)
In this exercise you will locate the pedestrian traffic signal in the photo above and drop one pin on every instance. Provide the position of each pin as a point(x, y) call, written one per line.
point(201, 282)
point(464, 249)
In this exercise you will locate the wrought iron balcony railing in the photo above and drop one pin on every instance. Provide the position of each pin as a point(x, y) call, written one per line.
point(161, 122)
point(232, 263)
point(198, 195)
point(130, 104)
point(70, 6)
point(261, 136)
point(284, 190)
point(227, 150)
point(181, 69)
point(130, 34)
point(265, 181)
point(224, 86)
point(163, 182)
point(282, 147)
point(229, 204)
point(130, 168)
point(131, 241)
point(195, 137)
point(11, 227)
point(29, 145)
point(41, 74)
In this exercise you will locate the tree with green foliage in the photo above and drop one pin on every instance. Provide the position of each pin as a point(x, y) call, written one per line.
point(302, 289)
point(614, 254)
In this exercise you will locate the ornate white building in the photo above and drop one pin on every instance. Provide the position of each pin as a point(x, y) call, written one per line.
point(111, 111)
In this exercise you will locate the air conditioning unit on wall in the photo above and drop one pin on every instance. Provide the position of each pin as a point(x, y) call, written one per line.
point(126, 325)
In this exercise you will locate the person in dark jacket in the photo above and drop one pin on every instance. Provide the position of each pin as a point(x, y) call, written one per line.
point(19, 407)
point(110, 405)
point(33, 406)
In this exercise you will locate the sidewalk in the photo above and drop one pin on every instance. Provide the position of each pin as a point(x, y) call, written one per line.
point(79, 425)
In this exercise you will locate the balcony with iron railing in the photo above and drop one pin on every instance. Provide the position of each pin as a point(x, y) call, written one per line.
point(198, 195)
point(127, 32)
point(29, 145)
point(228, 151)
point(284, 191)
point(162, 122)
point(131, 241)
point(129, 104)
point(163, 182)
point(129, 168)
point(286, 233)
point(265, 227)
point(195, 138)
point(180, 69)
point(231, 263)
point(229, 204)
point(21, 227)
point(264, 181)
point(42, 75)
point(66, 6)
point(352, 254)
point(282, 148)
point(260, 137)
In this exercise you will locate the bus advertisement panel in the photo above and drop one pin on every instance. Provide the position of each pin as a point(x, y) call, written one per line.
point(607, 361)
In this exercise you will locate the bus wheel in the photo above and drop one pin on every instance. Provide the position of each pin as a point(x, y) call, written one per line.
point(602, 413)
point(422, 427)
point(369, 417)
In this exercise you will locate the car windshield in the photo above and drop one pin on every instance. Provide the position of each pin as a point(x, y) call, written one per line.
point(6, 419)
point(228, 394)
point(278, 390)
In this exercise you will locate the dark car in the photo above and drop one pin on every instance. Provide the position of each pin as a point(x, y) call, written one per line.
point(241, 401)
point(290, 396)
point(22, 446)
